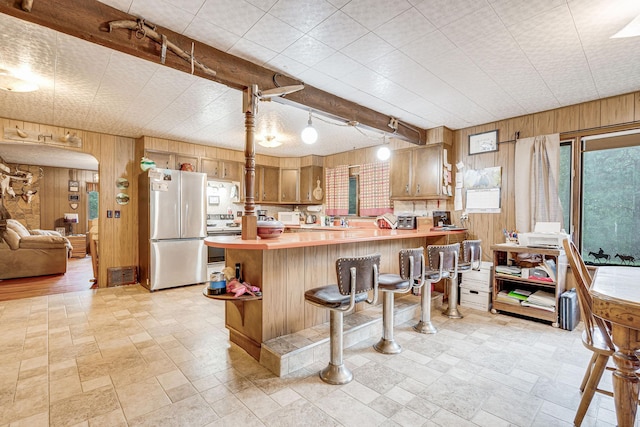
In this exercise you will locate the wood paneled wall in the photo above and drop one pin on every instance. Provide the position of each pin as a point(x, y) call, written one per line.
point(54, 198)
point(120, 156)
point(575, 121)
point(118, 245)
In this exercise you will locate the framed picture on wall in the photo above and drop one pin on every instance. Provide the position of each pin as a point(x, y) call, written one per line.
point(74, 197)
point(484, 142)
point(74, 186)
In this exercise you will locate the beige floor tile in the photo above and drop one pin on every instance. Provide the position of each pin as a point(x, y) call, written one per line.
point(37, 420)
point(142, 397)
point(192, 411)
point(64, 387)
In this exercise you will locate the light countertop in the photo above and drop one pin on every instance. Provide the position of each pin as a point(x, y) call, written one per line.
point(335, 236)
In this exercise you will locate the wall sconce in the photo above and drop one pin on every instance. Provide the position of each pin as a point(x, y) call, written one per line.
point(309, 134)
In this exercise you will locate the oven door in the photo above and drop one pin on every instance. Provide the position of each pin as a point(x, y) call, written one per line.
point(217, 254)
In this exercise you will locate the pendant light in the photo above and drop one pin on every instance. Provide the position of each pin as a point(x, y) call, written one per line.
point(384, 152)
point(309, 134)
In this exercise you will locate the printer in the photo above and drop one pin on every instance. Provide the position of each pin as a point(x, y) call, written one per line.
point(544, 235)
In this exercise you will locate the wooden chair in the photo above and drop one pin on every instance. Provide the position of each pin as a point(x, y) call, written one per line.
point(412, 275)
point(596, 336)
point(356, 277)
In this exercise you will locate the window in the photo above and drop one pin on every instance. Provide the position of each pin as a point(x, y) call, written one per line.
point(353, 195)
point(93, 205)
point(564, 186)
point(611, 199)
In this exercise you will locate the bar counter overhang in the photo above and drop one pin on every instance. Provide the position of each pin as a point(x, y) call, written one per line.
point(284, 268)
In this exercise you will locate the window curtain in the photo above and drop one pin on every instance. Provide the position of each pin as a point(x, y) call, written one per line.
point(374, 189)
point(337, 190)
point(537, 164)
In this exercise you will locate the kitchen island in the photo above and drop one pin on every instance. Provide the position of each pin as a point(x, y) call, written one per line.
point(284, 268)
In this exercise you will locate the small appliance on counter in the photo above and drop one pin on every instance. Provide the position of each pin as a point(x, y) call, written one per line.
point(406, 222)
point(289, 218)
point(262, 214)
point(311, 219)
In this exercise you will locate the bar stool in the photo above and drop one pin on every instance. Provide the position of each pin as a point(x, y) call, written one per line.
point(356, 277)
point(412, 275)
point(471, 260)
point(451, 266)
point(441, 258)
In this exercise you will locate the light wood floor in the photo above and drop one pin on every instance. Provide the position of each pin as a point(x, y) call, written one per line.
point(77, 278)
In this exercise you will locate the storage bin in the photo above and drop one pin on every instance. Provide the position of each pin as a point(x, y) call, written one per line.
point(480, 300)
point(478, 280)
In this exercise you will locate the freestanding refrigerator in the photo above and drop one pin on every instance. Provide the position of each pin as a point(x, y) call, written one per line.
point(173, 225)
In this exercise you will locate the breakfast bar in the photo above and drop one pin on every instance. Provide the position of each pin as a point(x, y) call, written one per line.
point(284, 268)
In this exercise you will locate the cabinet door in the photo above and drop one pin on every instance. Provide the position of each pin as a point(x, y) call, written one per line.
point(211, 167)
point(289, 185)
point(309, 177)
point(400, 174)
point(270, 184)
point(231, 170)
point(427, 171)
point(162, 160)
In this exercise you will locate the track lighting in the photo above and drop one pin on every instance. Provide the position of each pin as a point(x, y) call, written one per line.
point(309, 134)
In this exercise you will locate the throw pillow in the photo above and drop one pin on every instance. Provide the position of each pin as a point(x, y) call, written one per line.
point(12, 238)
point(16, 226)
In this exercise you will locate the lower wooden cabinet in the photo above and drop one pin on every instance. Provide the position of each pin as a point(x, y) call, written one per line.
point(79, 243)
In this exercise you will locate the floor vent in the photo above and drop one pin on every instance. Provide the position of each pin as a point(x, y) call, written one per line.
point(117, 276)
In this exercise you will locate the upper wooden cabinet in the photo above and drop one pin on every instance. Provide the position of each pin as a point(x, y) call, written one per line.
point(416, 173)
point(311, 177)
point(289, 185)
point(162, 159)
point(222, 169)
point(192, 160)
point(270, 184)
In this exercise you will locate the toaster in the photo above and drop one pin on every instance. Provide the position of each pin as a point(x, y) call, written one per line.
point(406, 222)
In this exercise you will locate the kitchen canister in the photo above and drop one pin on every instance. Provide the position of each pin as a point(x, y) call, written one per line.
point(217, 283)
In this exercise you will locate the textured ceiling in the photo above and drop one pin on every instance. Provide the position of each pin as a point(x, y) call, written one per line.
point(428, 62)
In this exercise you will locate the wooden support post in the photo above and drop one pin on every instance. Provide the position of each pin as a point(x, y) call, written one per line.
point(249, 219)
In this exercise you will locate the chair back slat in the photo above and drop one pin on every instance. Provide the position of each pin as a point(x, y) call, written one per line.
point(583, 285)
point(366, 276)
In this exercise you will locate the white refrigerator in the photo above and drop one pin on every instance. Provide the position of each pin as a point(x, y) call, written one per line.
point(173, 225)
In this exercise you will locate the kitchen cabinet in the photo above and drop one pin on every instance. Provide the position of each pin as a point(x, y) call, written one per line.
point(222, 169)
point(289, 185)
point(311, 177)
point(270, 184)
point(181, 158)
point(417, 173)
point(505, 254)
point(162, 159)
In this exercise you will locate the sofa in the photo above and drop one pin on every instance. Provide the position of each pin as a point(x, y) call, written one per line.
point(25, 253)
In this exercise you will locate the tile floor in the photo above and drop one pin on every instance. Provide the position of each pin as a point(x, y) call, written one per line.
point(124, 356)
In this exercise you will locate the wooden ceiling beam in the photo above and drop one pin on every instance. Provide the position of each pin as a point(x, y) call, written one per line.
point(88, 20)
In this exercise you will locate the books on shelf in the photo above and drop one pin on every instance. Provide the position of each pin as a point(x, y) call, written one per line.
point(503, 296)
point(549, 266)
point(543, 298)
point(508, 269)
point(519, 294)
point(539, 306)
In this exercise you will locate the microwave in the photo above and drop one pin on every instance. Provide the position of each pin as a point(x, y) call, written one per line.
point(289, 218)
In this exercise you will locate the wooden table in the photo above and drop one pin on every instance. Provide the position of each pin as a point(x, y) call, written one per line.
point(616, 298)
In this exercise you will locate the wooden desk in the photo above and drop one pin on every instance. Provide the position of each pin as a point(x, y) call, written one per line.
point(616, 298)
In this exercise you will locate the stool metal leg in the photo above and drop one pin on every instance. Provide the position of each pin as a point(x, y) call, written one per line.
point(336, 373)
point(424, 326)
point(452, 310)
point(387, 344)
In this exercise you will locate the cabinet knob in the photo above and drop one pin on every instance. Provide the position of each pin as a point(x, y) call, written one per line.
point(406, 189)
point(418, 189)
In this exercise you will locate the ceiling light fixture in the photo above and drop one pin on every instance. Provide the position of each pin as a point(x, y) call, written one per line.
point(384, 152)
point(309, 134)
point(270, 141)
point(632, 29)
point(11, 83)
